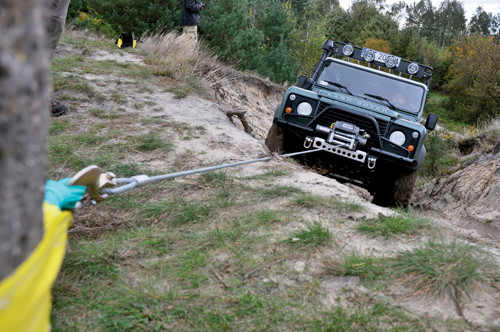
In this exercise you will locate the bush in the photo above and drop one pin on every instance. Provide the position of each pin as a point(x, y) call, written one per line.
point(440, 154)
point(137, 16)
point(95, 24)
point(279, 65)
point(473, 80)
point(440, 61)
point(253, 35)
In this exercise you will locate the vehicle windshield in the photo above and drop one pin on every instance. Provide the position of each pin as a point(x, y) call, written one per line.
point(402, 95)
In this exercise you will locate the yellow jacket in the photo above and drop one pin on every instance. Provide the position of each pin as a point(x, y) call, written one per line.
point(25, 295)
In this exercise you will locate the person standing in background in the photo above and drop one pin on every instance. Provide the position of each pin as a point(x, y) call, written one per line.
point(190, 17)
point(58, 10)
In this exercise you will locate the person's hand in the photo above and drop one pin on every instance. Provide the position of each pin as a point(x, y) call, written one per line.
point(59, 194)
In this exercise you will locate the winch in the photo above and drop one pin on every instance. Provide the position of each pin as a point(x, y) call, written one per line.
point(343, 134)
point(342, 138)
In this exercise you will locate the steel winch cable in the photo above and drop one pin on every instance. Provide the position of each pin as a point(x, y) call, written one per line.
point(141, 180)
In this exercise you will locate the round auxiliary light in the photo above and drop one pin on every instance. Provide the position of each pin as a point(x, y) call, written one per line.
point(414, 134)
point(397, 137)
point(390, 62)
point(413, 68)
point(369, 56)
point(304, 108)
point(348, 50)
point(292, 97)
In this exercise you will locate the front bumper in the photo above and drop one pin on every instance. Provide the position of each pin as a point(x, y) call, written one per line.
point(301, 132)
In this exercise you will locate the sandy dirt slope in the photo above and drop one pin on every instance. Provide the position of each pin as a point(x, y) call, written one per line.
point(468, 199)
point(220, 141)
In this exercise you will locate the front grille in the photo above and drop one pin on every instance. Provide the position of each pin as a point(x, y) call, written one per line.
point(334, 114)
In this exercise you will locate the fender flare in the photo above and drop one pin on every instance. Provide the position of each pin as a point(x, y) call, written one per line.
point(420, 157)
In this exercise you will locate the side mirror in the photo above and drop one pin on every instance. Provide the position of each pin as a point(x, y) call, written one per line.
point(304, 82)
point(431, 121)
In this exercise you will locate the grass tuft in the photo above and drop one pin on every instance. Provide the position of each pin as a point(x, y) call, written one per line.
point(401, 223)
point(314, 234)
point(179, 91)
point(273, 173)
point(441, 268)
point(126, 170)
point(345, 205)
point(355, 264)
point(102, 114)
point(366, 318)
point(308, 201)
point(279, 191)
point(58, 126)
point(268, 216)
point(152, 141)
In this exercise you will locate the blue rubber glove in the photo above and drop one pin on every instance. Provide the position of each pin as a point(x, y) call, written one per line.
point(59, 194)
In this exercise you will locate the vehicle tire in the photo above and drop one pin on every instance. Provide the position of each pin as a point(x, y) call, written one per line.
point(275, 139)
point(395, 190)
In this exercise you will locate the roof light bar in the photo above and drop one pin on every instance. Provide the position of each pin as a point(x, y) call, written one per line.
point(389, 61)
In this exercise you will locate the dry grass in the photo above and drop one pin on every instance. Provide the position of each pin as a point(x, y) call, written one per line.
point(177, 56)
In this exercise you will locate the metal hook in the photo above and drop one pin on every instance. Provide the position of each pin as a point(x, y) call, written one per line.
point(94, 180)
point(308, 142)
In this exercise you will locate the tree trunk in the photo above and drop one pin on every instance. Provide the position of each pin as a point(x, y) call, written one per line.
point(24, 113)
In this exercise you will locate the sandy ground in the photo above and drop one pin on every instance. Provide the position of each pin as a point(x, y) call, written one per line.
point(223, 141)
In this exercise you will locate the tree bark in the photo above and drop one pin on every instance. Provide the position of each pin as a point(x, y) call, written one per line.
point(24, 113)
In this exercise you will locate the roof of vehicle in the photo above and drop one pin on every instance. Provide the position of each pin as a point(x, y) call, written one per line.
point(378, 72)
point(403, 66)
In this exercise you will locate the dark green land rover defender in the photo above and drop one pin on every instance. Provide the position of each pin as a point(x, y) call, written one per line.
point(362, 109)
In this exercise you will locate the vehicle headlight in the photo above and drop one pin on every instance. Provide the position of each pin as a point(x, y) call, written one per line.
point(304, 108)
point(397, 137)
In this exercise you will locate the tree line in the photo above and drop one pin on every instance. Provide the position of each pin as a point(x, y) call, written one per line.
point(281, 39)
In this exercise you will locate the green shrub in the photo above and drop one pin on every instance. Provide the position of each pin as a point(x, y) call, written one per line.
point(137, 16)
point(95, 23)
point(437, 103)
point(253, 35)
point(473, 80)
point(440, 154)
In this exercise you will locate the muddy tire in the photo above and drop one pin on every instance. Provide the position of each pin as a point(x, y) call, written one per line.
point(395, 190)
point(275, 140)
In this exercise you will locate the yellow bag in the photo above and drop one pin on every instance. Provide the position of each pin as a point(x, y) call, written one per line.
point(25, 295)
point(126, 40)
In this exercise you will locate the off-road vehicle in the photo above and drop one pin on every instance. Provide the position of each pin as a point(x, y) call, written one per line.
point(362, 108)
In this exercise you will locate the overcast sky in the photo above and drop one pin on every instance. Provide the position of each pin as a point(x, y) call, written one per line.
point(490, 6)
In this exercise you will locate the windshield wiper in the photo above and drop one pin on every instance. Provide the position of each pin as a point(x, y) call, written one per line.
point(381, 99)
point(338, 85)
